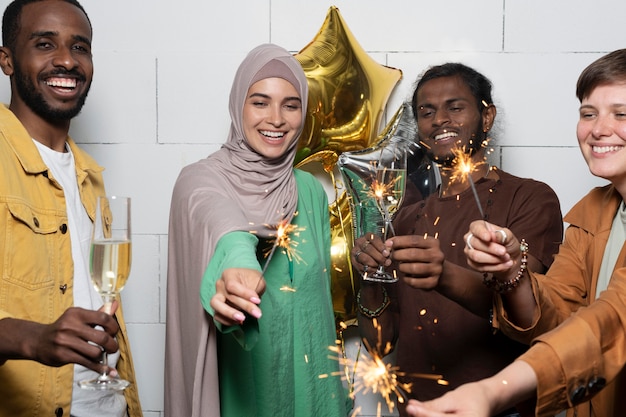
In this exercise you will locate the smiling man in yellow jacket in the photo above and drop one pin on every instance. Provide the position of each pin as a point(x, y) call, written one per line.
point(49, 311)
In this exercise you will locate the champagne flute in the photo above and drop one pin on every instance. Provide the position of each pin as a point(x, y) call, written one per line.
point(109, 267)
point(388, 191)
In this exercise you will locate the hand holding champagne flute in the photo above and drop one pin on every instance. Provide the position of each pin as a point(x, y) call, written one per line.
point(109, 265)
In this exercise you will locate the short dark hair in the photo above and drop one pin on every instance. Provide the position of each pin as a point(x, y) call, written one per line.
point(609, 69)
point(11, 20)
point(479, 85)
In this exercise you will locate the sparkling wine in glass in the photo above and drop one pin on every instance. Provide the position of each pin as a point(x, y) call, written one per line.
point(394, 180)
point(109, 266)
point(388, 191)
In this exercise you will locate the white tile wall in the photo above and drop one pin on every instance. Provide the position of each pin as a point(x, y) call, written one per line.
point(163, 73)
point(561, 26)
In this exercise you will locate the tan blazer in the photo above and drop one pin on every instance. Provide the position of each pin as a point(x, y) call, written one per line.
point(579, 364)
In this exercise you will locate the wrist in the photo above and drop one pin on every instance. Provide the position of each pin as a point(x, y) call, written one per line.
point(506, 286)
point(512, 385)
point(17, 344)
point(373, 301)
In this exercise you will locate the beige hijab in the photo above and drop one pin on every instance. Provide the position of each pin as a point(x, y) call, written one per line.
point(233, 189)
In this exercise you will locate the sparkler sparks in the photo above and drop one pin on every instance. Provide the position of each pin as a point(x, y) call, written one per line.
point(463, 165)
point(387, 190)
point(283, 239)
point(282, 236)
point(382, 191)
point(463, 168)
point(372, 374)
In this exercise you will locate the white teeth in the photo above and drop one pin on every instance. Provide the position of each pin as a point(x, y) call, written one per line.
point(62, 82)
point(446, 135)
point(605, 149)
point(272, 134)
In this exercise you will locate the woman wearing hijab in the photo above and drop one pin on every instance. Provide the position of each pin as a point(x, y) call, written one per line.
point(274, 322)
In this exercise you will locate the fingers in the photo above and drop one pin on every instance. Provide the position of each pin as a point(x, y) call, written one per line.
point(468, 240)
point(490, 232)
point(415, 408)
point(104, 320)
point(413, 242)
point(489, 238)
point(236, 296)
point(487, 248)
point(420, 260)
point(73, 339)
point(368, 252)
point(225, 314)
point(503, 235)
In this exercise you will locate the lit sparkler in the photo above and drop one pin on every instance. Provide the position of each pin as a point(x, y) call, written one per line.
point(463, 167)
point(385, 195)
point(372, 374)
point(283, 239)
point(381, 190)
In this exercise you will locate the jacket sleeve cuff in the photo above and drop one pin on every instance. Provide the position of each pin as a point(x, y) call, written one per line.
point(501, 320)
point(559, 386)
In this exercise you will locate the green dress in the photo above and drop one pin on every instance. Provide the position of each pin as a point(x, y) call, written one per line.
point(273, 366)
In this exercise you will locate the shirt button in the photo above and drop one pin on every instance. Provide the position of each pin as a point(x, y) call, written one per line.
point(63, 228)
point(578, 394)
point(58, 412)
point(596, 384)
point(36, 221)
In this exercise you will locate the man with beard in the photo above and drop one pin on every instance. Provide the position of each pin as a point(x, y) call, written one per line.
point(437, 316)
point(53, 331)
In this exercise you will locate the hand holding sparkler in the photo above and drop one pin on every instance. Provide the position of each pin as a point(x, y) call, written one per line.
point(493, 249)
point(236, 295)
point(239, 289)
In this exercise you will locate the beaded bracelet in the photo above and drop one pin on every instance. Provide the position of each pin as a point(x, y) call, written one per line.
point(501, 287)
point(372, 313)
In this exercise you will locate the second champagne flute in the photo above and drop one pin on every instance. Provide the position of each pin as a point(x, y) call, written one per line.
point(388, 192)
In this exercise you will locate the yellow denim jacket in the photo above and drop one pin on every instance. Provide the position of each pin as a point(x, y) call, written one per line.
point(36, 269)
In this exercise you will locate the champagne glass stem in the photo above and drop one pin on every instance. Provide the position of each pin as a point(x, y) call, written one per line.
point(104, 376)
point(386, 223)
point(108, 304)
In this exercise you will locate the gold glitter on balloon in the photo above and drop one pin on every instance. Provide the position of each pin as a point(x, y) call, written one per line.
point(348, 91)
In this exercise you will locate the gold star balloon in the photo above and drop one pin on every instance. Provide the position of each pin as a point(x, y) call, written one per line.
point(348, 91)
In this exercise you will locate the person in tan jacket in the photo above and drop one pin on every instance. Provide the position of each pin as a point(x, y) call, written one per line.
point(575, 314)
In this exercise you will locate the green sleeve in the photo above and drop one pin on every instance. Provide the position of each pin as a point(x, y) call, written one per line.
point(233, 250)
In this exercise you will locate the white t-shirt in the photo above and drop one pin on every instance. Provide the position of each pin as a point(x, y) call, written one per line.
point(85, 403)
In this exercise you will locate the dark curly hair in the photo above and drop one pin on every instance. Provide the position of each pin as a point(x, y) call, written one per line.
point(11, 20)
point(479, 85)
